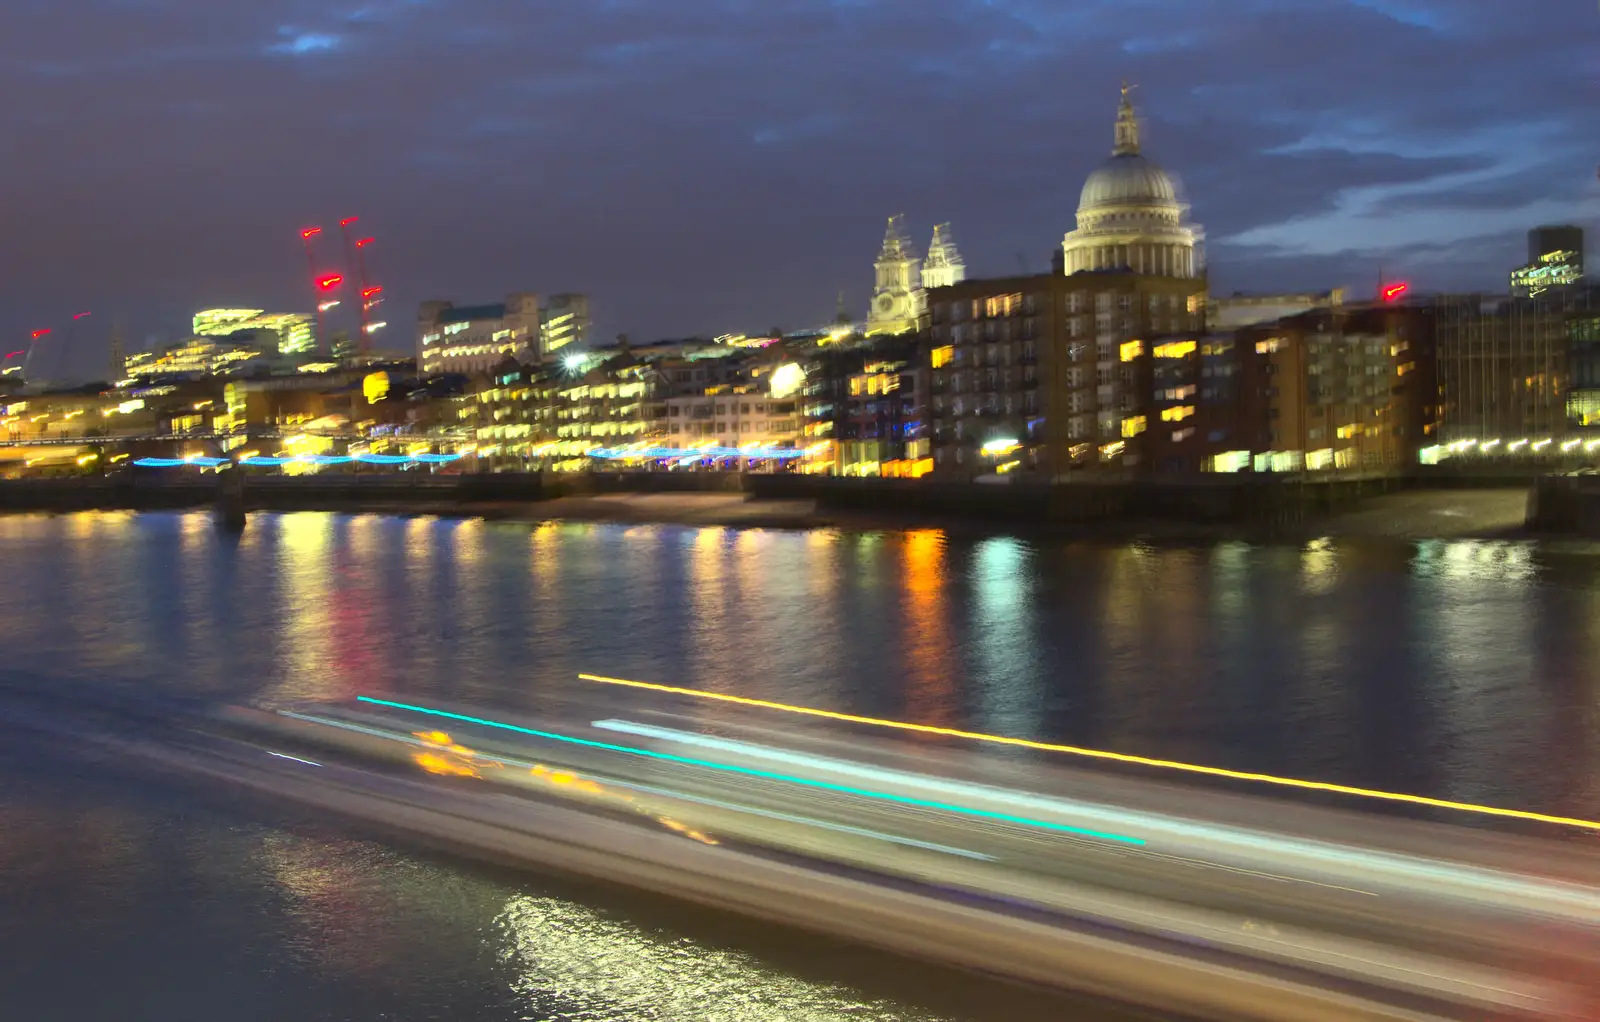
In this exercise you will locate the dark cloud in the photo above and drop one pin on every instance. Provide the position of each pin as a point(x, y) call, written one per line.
point(702, 165)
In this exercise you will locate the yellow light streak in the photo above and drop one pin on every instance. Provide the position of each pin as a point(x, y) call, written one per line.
point(1116, 757)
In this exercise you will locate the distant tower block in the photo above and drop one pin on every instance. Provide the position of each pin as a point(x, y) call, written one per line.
point(119, 361)
point(944, 265)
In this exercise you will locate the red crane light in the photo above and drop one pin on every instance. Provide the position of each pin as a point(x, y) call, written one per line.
point(40, 333)
point(1394, 291)
point(370, 291)
point(329, 282)
point(364, 242)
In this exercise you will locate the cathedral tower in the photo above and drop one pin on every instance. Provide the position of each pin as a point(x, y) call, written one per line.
point(944, 265)
point(897, 291)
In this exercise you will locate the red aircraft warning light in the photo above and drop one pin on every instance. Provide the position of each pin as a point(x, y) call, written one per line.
point(329, 282)
point(80, 315)
point(368, 292)
point(347, 221)
point(40, 333)
point(1394, 291)
point(310, 232)
point(364, 242)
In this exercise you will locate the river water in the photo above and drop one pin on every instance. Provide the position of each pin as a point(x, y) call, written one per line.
point(1460, 670)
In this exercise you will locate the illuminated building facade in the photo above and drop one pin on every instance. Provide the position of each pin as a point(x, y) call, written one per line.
point(897, 288)
point(512, 410)
point(199, 356)
point(474, 339)
point(882, 430)
point(1338, 389)
point(1583, 345)
point(1130, 218)
point(1506, 365)
point(1555, 259)
point(1045, 369)
point(732, 416)
point(606, 407)
point(563, 322)
point(318, 402)
point(291, 330)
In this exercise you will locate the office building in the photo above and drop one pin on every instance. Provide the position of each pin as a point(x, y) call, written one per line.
point(1555, 259)
point(1505, 364)
point(471, 339)
point(563, 323)
point(291, 333)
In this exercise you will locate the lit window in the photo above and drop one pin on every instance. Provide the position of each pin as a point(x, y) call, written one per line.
point(943, 356)
point(1132, 350)
point(1268, 346)
point(1177, 414)
point(1346, 432)
point(1175, 349)
point(1003, 305)
point(1132, 427)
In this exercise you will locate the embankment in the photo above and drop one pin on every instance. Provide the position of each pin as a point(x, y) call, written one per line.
point(1202, 507)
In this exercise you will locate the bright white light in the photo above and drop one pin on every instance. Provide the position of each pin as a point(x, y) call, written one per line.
point(574, 361)
point(375, 327)
point(787, 380)
point(996, 446)
point(325, 306)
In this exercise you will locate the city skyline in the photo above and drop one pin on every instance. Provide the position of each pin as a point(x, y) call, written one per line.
point(696, 172)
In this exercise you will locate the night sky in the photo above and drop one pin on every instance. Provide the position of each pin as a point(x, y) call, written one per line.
point(700, 166)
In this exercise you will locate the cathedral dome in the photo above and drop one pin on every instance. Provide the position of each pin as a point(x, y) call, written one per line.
point(1130, 218)
point(1127, 179)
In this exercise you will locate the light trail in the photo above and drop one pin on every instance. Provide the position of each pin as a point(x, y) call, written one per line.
point(808, 821)
point(297, 759)
point(881, 796)
point(1115, 757)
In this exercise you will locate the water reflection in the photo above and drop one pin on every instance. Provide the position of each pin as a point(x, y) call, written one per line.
point(1006, 673)
point(1461, 670)
point(930, 655)
point(576, 963)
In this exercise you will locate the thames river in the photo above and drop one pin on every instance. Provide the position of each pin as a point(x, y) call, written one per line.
point(1466, 670)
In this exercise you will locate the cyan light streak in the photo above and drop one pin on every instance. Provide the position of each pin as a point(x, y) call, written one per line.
point(880, 796)
point(274, 461)
point(622, 453)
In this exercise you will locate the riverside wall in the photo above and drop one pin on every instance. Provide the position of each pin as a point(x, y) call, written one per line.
point(1565, 505)
point(1208, 500)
